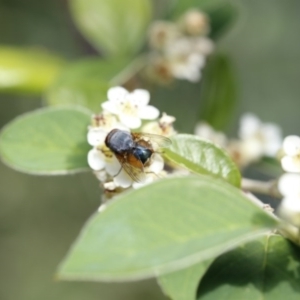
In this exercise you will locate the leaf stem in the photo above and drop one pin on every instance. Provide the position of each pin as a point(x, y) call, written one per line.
point(261, 187)
point(287, 230)
point(132, 69)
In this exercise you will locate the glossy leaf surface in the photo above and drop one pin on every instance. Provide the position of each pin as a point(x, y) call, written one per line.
point(267, 268)
point(48, 141)
point(183, 284)
point(115, 27)
point(202, 157)
point(166, 226)
point(86, 82)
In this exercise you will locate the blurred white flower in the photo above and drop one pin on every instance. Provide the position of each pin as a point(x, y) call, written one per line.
point(195, 22)
point(203, 45)
point(290, 162)
point(259, 138)
point(130, 107)
point(289, 187)
point(164, 126)
point(179, 50)
point(205, 131)
point(186, 57)
point(162, 33)
point(158, 69)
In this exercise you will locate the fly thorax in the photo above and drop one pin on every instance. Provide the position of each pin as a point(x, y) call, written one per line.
point(143, 154)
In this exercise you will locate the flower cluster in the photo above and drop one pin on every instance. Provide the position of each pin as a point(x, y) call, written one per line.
point(256, 139)
point(179, 50)
point(289, 183)
point(125, 111)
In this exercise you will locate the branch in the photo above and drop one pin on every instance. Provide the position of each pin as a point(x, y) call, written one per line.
point(265, 188)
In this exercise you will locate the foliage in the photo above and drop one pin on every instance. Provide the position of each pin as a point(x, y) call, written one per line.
point(195, 231)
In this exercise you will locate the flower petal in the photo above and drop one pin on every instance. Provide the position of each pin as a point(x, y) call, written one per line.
point(117, 94)
point(139, 97)
point(289, 210)
point(148, 179)
point(96, 159)
point(290, 164)
point(291, 145)
point(109, 186)
point(101, 175)
point(96, 136)
point(249, 125)
point(272, 138)
point(157, 164)
point(289, 184)
point(113, 166)
point(123, 180)
point(110, 107)
point(130, 121)
point(291, 203)
point(204, 45)
point(148, 112)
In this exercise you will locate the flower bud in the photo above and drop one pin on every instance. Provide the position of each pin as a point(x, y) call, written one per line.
point(195, 22)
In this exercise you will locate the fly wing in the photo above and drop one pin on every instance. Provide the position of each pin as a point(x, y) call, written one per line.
point(153, 140)
point(133, 167)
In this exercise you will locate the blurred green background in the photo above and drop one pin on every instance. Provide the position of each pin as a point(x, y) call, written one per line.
point(41, 216)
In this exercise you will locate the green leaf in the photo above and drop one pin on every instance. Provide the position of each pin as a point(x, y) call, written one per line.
point(48, 141)
point(202, 157)
point(267, 268)
point(219, 92)
point(27, 70)
point(163, 227)
point(86, 82)
point(222, 17)
point(182, 285)
point(115, 27)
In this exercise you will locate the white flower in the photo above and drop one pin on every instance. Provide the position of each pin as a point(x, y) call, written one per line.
point(159, 69)
point(289, 187)
point(101, 175)
point(205, 131)
point(153, 172)
point(259, 138)
point(185, 62)
point(256, 140)
point(162, 33)
point(195, 22)
point(203, 45)
point(130, 107)
point(186, 57)
point(102, 158)
point(111, 186)
point(164, 126)
point(155, 166)
point(290, 162)
point(101, 126)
